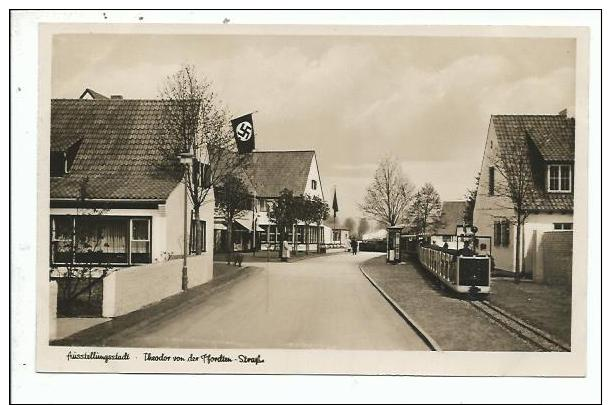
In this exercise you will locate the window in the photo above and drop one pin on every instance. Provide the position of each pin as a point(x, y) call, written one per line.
point(93, 239)
point(272, 233)
point(262, 205)
point(491, 181)
point(559, 178)
point(299, 233)
point(140, 241)
point(314, 184)
point(202, 236)
point(563, 226)
point(61, 239)
point(501, 233)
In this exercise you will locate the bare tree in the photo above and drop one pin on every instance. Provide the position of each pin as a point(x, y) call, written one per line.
point(194, 121)
point(389, 194)
point(514, 192)
point(425, 210)
point(470, 197)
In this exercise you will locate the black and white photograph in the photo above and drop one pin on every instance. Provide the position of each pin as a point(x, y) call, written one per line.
point(312, 199)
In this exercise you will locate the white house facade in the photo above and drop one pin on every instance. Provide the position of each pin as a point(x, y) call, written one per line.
point(549, 143)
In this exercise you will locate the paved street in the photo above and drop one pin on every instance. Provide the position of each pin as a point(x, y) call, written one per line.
point(320, 303)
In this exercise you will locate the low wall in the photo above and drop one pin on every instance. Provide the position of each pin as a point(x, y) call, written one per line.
point(132, 288)
point(557, 249)
point(52, 310)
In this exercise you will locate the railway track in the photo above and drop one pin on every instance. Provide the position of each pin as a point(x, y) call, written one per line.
point(533, 336)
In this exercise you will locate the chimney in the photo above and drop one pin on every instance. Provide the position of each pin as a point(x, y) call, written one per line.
point(120, 97)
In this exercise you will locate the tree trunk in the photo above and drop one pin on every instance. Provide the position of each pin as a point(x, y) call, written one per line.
point(306, 235)
point(518, 264)
point(282, 236)
point(198, 233)
point(318, 237)
point(229, 240)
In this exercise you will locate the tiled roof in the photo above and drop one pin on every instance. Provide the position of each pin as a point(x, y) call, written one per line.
point(118, 153)
point(553, 136)
point(272, 171)
point(452, 214)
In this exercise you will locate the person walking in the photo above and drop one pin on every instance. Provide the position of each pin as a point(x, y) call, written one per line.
point(354, 244)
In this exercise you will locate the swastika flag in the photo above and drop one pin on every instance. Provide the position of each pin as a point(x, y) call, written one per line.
point(244, 132)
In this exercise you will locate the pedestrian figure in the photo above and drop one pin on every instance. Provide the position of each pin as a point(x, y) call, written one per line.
point(466, 250)
point(286, 251)
point(354, 244)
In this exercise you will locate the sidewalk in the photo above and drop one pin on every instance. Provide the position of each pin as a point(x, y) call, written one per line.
point(261, 256)
point(88, 335)
point(453, 323)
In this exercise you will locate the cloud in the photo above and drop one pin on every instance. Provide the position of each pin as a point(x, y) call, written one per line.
point(427, 101)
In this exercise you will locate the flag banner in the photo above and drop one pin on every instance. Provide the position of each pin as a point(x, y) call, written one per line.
point(335, 206)
point(244, 132)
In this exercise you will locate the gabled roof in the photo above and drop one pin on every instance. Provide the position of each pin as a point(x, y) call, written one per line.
point(118, 154)
point(553, 137)
point(94, 95)
point(272, 171)
point(452, 214)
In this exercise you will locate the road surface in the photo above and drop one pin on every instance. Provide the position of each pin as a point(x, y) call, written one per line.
point(320, 303)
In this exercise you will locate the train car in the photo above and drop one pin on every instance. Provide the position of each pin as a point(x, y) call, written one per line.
point(463, 264)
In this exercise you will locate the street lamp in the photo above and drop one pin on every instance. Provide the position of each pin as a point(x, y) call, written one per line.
point(185, 159)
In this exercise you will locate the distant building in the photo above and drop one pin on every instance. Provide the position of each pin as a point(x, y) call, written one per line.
point(452, 215)
point(549, 141)
point(268, 173)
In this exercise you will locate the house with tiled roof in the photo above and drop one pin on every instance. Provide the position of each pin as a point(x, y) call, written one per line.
point(547, 144)
point(104, 160)
point(269, 172)
point(452, 215)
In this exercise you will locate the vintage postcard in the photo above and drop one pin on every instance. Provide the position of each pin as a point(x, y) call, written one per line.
point(312, 199)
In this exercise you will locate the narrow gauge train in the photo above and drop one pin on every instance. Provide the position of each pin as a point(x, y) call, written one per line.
point(463, 261)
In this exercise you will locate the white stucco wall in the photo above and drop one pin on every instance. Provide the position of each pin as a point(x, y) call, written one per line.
point(129, 289)
point(314, 175)
point(535, 226)
point(52, 310)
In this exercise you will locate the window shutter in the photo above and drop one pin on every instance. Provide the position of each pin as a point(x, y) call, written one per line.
point(505, 233)
point(497, 233)
point(207, 176)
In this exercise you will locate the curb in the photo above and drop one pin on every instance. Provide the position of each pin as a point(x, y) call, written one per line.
point(428, 340)
point(106, 330)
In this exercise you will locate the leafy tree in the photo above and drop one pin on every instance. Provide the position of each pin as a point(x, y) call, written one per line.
point(389, 194)
point(232, 201)
point(320, 213)
point(363, 227)
point(350, 225)
point(425, 210)
point(285, 213)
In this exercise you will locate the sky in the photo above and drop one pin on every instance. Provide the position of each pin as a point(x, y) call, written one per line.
point(425, 101)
